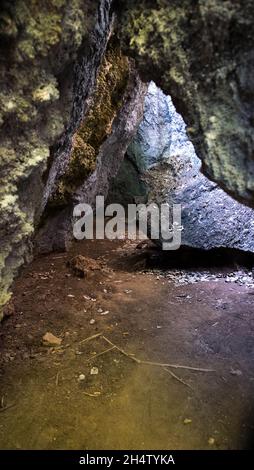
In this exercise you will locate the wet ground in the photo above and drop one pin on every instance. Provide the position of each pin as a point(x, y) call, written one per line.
point(111, 323)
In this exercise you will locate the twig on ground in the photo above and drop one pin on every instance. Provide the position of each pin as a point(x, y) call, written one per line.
point(158, 364)
point(100, 354)
point(7, 407)
point(176, 366)
point(89, 338)
point(57, 379)
point(177, 378)
point(122, 351)
point(92, 395)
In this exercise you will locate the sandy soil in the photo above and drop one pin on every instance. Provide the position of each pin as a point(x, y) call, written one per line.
point(130, 405)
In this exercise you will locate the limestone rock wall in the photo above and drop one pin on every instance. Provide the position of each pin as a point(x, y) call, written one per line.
point(50, 55)
point(150, 145)
point(210, 217)
point(201, 53)
point(112, 151)
point(109, 126)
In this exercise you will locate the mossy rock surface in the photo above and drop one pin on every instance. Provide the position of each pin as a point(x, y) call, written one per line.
point(97, 124)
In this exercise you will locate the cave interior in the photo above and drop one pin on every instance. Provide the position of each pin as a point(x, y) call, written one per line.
point(120, 343)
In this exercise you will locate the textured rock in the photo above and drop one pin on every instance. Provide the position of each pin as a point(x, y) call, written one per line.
point(112, 151)
point(81, 266)
point(104, 105)
point(210, 217)
point(51, 52)
point(150, 145)
point(128, 187)
point(152, 141)
point(56, 233)
point(201, 53)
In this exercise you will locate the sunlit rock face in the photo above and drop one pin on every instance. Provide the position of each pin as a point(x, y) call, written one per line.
point(153, 139)
point(210, 217)
point(201, 53)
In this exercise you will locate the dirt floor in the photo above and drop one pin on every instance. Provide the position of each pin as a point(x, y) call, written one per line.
point(72, 396)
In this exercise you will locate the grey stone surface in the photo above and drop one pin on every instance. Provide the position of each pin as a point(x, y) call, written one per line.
point(113, 150)
point(56, 233)
point(210, 217)
point(152, 141)
point(150, 145)
point(201, 53)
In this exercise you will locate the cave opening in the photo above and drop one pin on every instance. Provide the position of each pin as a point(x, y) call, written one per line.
point(161, 165)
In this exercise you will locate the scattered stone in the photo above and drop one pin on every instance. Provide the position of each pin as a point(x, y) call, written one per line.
point(51, 340)
point(183, 277)
point(211, 441)
point(105, 313)
point(92, 321)
point(94, 371)
point(83, 266)
point(187, 421)
point(99, 310)
point(81, 377)
point(9, 309)
point(236, 372)
point(71, 296)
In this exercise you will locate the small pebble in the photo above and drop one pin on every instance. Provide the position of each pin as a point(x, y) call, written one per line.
point(81, 377)
point(94, 371)
point(187, 421)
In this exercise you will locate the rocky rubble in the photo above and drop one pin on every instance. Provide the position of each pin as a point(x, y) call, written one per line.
point(182, 277)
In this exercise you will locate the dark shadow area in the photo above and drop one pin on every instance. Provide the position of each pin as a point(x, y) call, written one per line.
point(147, 255)
point(187, 257)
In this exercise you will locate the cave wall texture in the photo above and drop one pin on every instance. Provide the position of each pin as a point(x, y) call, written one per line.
point(150, 145)
point(210, 217)
point(201, 53)
point(50, 55)
point(51, 94)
